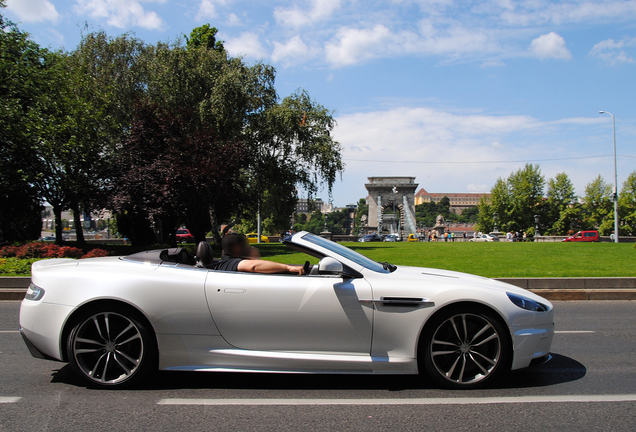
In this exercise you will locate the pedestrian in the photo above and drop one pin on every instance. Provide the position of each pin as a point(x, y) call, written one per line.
point(465, 236)
point(525, 236)
point(509, 236)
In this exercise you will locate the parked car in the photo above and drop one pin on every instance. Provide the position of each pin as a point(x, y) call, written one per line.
point(117, 319)
point(183, 236)
point(485, 238)
point(391, 238)
point(47, 238)
point(412, 238)
point(583, 236)
point(370, 238)
point(253, 238)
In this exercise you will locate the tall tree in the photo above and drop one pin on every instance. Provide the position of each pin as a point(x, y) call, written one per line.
point(515, 200)
point(561, 195)
point(627, 206)
point(500, 203)
point(172, 175)
point(598, 205)
point(292, 148)
point(22, 81)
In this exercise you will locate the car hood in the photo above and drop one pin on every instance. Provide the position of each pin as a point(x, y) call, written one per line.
point(447, 277)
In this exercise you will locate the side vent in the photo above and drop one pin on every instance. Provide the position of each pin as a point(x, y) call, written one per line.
point(403, 301)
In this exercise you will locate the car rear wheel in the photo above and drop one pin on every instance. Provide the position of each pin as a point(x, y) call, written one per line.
point(111, 349)
point(465, 348)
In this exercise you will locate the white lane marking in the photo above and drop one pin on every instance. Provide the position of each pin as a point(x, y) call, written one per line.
point(9, 331)
point(573, 332)
point(9, 399)
point(408, 401)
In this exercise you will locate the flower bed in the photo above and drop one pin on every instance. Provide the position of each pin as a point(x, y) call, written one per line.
point(17, 260)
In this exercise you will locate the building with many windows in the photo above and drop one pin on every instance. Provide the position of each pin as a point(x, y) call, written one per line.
point(458, 201)
point(305, 205)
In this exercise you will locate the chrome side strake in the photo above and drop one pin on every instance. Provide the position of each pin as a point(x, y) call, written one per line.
point(401, 301)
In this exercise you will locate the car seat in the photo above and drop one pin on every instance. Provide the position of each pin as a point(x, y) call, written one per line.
point(205, 255)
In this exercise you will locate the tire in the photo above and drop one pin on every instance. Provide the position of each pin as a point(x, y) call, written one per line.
point(111, 348)
point(465, 348)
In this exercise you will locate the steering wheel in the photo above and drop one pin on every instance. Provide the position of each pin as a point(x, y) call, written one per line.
point(306, 267)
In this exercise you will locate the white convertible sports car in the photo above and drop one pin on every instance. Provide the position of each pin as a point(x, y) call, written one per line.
point(117, 319)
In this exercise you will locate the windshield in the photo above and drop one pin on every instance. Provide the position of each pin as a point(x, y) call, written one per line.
point(347, 253)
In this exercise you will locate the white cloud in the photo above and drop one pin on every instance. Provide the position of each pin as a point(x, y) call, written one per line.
point(355, 45)
point(550, 45)
point(247, 44)
point(472, 187)
point(351, 45)
point(298, 16)
point(33, 10)
point(613, 52)
point(541, 12)
point(233, 20)
point(121, 13)
point(413, 140)
point(207, 8)
point(293, 51)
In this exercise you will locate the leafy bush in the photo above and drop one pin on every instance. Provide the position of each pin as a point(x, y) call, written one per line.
point(47, 250)
point(71, 252)
point(9, 251)
point(96, 253)
point(16, 266)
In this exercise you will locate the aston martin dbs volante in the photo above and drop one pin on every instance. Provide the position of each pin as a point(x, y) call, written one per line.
point(117, 319)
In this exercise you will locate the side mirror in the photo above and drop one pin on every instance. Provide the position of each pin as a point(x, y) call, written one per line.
point(330, 266)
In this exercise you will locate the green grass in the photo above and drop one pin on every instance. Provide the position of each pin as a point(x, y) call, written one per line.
point(484, 259)
point(494, 259)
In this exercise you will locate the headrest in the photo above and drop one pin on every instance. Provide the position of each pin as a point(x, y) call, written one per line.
point(205, 255)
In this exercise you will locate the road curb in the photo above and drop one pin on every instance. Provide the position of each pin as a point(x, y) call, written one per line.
point(14, 288)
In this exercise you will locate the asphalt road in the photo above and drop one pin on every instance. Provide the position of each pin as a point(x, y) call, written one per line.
point(589, 385)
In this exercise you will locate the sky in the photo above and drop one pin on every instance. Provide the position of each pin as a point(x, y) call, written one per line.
point(455, 93)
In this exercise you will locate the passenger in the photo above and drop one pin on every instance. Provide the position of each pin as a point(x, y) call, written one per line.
point(238, 256)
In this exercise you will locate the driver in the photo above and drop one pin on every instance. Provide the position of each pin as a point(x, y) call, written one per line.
point(237, 256)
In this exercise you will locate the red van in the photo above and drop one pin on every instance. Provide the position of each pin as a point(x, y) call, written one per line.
point(583, 236)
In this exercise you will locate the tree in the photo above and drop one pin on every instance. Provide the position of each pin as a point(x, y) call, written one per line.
point(515, 200)
point(363, 209)
point(204, 37)
point(598, 206)
point(627, 206)
point(561, 195)
point(292, 148)
point(500, 203)
point(170, 174)
point(526, 197)
point(22, 81)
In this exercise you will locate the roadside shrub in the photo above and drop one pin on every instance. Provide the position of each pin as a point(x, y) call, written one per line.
point(9, 251)
point(15, 266)
point(71, 252)
point(96, 253)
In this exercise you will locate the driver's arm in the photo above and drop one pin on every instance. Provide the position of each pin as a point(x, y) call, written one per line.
point(260, 266)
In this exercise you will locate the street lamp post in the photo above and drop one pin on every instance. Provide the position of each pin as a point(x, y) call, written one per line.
point(615, 178)
point(495, 216)
point(395, 191)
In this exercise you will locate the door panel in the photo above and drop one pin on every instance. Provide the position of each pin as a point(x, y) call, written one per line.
point(291, 313)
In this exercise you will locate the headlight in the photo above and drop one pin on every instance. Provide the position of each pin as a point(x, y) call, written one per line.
point(34, 293)
point(527, 304)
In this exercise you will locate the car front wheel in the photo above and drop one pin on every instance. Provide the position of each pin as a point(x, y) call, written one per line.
point(465, 348)
point(111, 349)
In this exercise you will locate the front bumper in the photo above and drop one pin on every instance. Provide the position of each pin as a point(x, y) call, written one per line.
point(531, 343)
